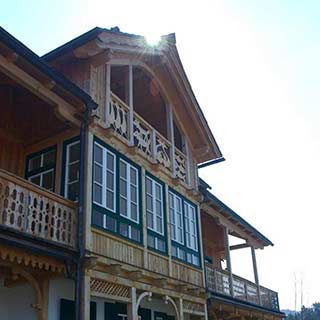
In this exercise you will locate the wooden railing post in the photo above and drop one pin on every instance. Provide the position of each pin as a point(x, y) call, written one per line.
point(255, 270)
point(108, 94)
point(228, 257)
point(154, 145)
point(130, 105)
point(171, 139)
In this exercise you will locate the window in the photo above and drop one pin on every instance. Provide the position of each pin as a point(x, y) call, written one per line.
point(104, 167)
point(116, 184)
point(155, 214)
point(184, 234)
point(176, 218)
point(129, 191)
point(41, 168)
point(71, 187)
point(191, 226)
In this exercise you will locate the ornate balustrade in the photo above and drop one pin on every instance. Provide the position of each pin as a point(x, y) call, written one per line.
point(149, 142)
point(30, 209)
point(218, 281)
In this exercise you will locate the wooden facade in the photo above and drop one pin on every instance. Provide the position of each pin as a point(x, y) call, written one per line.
point(99, 183)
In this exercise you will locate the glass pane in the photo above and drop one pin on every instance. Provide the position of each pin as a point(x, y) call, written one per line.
point(148, 185)
point(173, 232)
point(73, 191)
point(124, 230)
point(171, 200)
point(161, 245)
point(110, 180)
point(123, 188)
point(97, 193)
point(35, 180)
point(97, 218)
point(110, 161)
point(35, 163)
point(135, 234)
point(133, 194)
point(134, 212)
point(149, 220)
point(123, 206)
point(97, 153)
point(158, 191)
point(149, 203)
point(49, 158)
point(98, 173)
point(73, 172)
point(133, 175)
point(158, 208)
point(74, 152)
point(123, 170)
point(111, 223)
point(159, 225)
point(110, 200)
point(151, 241)
point(47, 180)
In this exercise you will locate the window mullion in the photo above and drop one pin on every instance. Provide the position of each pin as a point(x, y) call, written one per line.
point(128, 191)
point(154, 207)
point(104, 177)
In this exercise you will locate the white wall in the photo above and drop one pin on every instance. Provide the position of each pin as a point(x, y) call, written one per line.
point(58, 289)
point(15, 303)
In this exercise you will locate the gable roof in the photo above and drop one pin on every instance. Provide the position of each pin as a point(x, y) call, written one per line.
point(99, 37)
point(223, 208)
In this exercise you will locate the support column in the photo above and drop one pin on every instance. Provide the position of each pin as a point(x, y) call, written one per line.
point(255, 270)
point(108, 93)
point(180, 309)
point(171, 138)
point(132, 306)
point(131, 105)
point(228, 257)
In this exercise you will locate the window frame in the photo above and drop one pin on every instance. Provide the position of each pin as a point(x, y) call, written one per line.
point(115, 215)
point(151, 232)
point(183, 247)
point(64, 176)
point(29, 174)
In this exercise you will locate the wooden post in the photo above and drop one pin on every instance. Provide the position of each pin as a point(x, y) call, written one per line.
point(144, 219)
point(132, 306)
point(180, 309)
point(228, 257)
point(171, 139)
point(168, 226)
point(108, 93)
point(131, 142)
point(255, 270)
point(154, 145)
point(87, 296)
point(188, 164)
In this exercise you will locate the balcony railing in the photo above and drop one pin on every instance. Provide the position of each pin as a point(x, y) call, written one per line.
point(218, 281)
point(32, 210)
point(149, 142)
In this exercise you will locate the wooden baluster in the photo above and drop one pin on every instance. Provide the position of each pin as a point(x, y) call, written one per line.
point(154, 145)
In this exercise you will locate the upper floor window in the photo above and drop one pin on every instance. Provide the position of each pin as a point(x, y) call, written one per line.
point(72, 163)
point(41, 168)
point(184, 229)
point(155, 214)
point(104, 177)
point(116, 186)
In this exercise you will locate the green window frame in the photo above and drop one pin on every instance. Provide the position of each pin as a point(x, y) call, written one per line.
point(155, 214)
point(41, 168)
point(71, 169)
point(117, 210)
point(184, 227)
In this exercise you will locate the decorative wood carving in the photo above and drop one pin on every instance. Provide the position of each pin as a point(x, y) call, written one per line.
point(118, 116)
point(191, 307)
point(35, 211)
point(103, 287)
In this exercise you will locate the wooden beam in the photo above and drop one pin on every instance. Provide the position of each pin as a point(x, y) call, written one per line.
point(115, 268)
point(136, 275)
point(239, 246)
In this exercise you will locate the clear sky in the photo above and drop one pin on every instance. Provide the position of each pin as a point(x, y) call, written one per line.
point(255, 69)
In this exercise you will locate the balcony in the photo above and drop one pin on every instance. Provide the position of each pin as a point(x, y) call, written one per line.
point(34, 211)
point(218, 281)
point(134, 131)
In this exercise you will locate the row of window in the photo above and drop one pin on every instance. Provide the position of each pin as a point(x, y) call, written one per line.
point(117, 198)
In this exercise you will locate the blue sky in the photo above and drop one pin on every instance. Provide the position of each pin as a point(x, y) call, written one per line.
point(255, 69)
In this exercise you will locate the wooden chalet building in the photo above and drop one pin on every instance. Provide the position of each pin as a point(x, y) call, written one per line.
point(102, 213)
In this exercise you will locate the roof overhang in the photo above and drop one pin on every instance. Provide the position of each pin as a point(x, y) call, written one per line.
point(20, 63)
point(100, 42)
point(210, 201)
